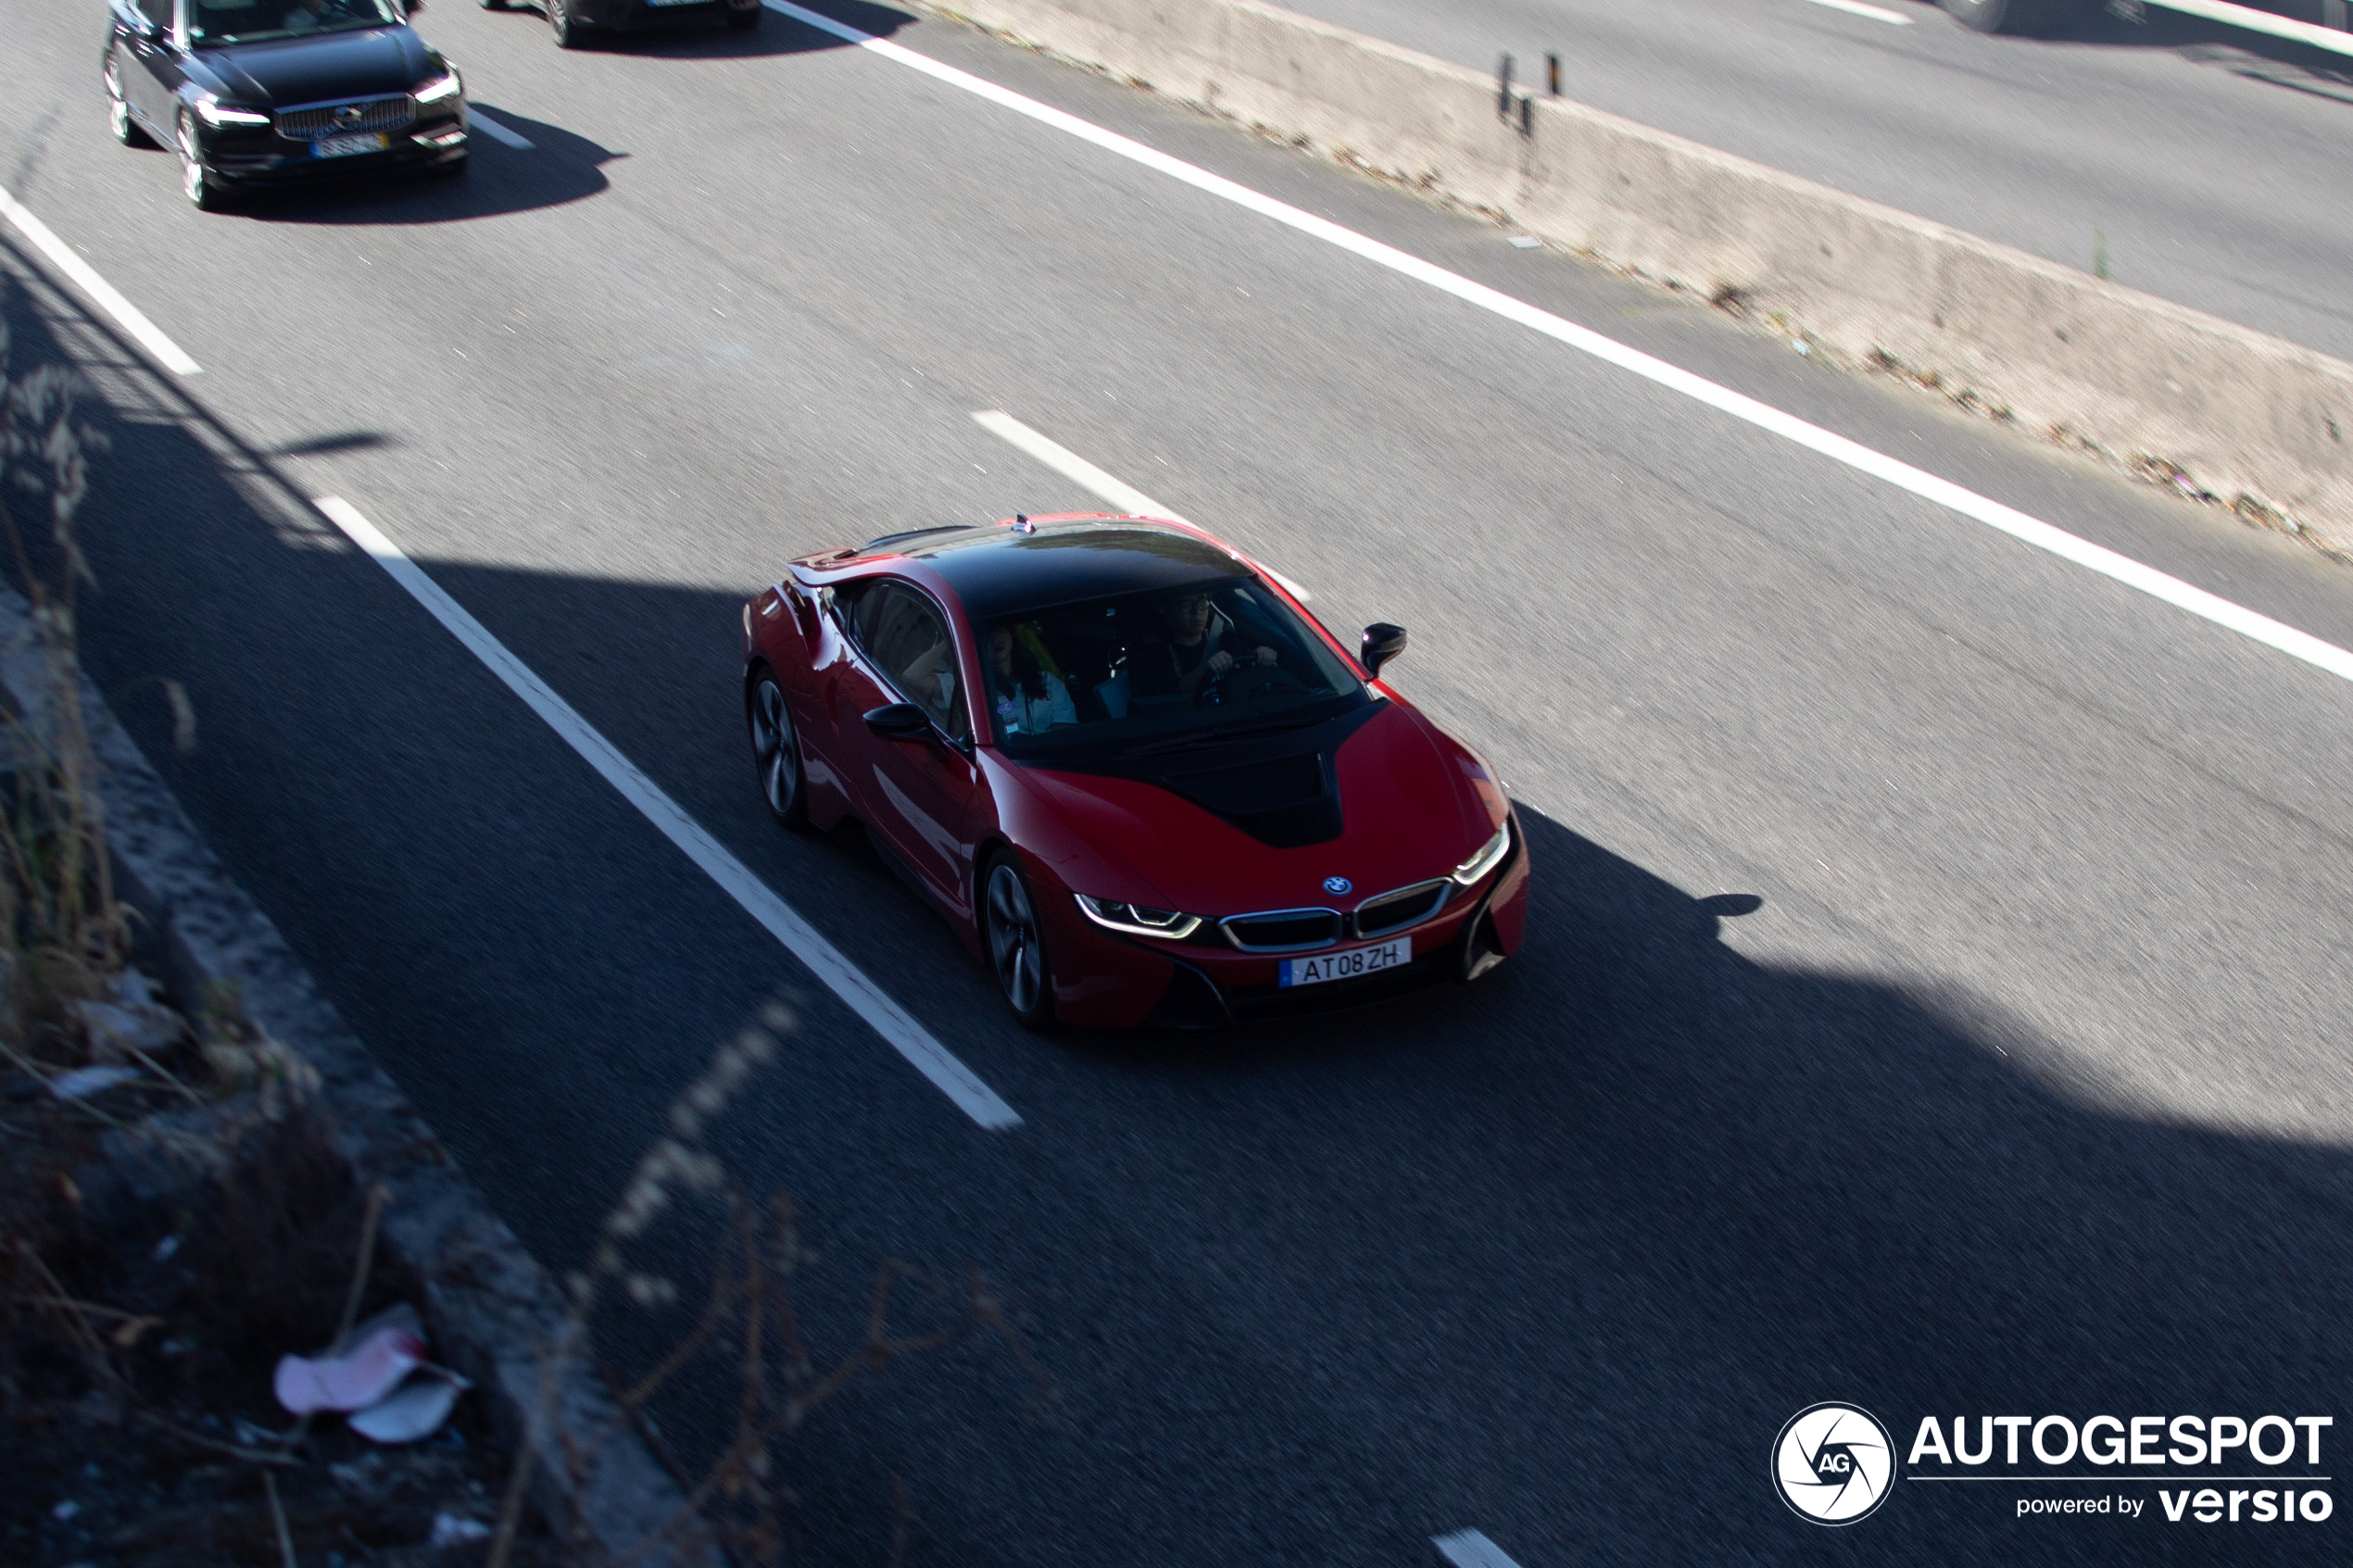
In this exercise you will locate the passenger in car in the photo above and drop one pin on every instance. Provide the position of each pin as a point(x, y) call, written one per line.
point(1027, 694)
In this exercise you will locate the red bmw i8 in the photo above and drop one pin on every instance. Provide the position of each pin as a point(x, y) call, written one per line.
point(1135, 775)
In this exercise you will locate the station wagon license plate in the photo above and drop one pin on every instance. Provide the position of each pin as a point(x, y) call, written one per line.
point(1349, 963)
point(344, 147)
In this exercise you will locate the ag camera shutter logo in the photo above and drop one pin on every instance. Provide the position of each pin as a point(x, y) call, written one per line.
point(1834, 1463)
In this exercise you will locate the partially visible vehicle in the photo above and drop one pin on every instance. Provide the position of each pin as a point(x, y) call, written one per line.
point(2017, 16)
point(573, 20)
point(253, 93)
point(1131, 771)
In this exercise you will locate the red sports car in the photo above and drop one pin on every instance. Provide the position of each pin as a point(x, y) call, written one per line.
point(1135, 775)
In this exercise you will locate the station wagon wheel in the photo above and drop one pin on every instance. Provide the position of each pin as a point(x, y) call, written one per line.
point(1017, 949)
point(567, 27)
point(775, 752)
point(126, 130)
point(195, 184)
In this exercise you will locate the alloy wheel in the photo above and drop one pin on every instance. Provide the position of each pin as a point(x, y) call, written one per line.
point(1015, 949)
point(567, 27)
point(775, 752)
point(195, 184)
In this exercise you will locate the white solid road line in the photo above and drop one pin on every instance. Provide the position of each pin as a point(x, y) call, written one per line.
point(1855, 8)
point(1854, 455)
point(126, 315)
point(1110, 486)
point(1470, 1548)
point(479, 121)
point(825, 960)
point(1070, 465)
point(2263, 21)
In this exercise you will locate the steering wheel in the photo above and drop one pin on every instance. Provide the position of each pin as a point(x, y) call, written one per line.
point(1249, 682)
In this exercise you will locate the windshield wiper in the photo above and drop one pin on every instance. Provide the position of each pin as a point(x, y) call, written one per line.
point(1220, 733)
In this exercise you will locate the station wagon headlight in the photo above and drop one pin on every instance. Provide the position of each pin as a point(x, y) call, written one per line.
point(1135, 920)
point(445, 86)
point(213, 112)
point(1491, 855)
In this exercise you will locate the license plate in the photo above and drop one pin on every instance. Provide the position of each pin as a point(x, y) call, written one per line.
point(1349, 964)
point(344, 147)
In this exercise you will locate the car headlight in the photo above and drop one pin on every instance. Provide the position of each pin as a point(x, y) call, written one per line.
point(1135, 920)
point(213, 112)
point(1491, 855)
point(445, 86)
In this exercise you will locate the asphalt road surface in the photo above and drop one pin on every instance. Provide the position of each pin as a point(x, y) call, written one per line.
point(2206, 164)
point(1936, 994)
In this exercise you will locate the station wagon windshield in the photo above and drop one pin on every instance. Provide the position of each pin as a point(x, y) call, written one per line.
point(251, 21)
point(1165, 670)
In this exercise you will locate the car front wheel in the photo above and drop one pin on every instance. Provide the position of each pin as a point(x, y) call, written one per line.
point(568, 31)
point(1016, 947)
point(195, 179)
point(775, 752)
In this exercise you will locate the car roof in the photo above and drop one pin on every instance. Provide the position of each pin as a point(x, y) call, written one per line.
point(1001, 571)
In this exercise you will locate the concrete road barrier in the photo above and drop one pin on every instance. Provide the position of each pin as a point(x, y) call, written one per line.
point(2234, 415)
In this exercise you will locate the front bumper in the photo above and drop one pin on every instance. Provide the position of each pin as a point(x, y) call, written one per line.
point(257, 156)
point(1107, 981)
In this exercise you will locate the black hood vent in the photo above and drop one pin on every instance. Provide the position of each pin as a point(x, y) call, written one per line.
point(1283, 802)
point(1280, 789)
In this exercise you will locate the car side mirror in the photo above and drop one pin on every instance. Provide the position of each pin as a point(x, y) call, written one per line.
point(900, 720)
point(1382, 643)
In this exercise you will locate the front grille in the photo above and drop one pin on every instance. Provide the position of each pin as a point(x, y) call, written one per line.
point(311, 121)
point(1395, 912)
point(1283, 930)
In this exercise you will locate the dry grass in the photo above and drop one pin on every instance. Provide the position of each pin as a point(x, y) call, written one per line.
point(736, 1508)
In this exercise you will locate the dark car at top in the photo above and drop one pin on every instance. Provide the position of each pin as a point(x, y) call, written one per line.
point(256, 93)
point(1134, 772)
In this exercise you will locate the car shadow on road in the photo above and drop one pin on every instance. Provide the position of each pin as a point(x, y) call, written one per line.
point(2258, 56)
point(1593, 1228)
point(705, 38)
point(560, 166)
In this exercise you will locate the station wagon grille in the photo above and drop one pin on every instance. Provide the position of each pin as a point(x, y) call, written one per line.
point(1395, 912)
point(1283, 930)
point(311, 121)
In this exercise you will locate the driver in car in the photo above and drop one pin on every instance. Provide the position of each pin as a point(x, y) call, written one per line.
point(1186, 657)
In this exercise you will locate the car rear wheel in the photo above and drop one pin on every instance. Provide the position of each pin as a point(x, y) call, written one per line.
point(775, 752)
point(126, 130)
point(195, 179)
point(1016, 947)
point(568, 31)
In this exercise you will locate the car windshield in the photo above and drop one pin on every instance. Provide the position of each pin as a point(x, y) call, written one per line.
point(244, 22)
point(1164, 671)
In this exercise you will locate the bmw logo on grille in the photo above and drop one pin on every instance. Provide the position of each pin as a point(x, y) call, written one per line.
point(1337, 884)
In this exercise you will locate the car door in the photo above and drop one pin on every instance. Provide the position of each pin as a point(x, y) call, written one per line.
point(144, 62)
point(915, 790)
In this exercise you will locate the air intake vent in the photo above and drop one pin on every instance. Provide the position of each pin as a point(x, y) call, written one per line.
point(1286, 803)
